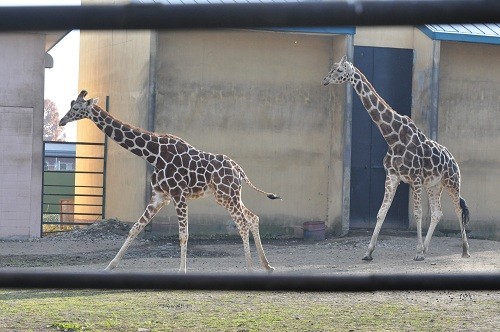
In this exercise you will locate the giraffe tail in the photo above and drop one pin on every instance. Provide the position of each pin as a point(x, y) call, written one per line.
point(465, 212)
point(247, 180)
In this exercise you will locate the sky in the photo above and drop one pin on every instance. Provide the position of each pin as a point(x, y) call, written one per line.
point(61, 81)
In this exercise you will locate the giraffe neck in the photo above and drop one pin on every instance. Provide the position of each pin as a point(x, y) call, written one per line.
point(140, 142)
point(387, 120)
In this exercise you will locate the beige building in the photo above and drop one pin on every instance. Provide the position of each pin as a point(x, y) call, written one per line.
point(23, 60)
point(257, 97)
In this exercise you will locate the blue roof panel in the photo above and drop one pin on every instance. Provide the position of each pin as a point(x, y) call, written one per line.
point(470, 33)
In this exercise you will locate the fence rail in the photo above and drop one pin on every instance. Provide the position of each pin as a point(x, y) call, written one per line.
point(249, 15)
point(227, 282)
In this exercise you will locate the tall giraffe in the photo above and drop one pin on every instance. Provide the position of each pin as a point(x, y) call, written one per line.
point(181, 172)
point(411, 157)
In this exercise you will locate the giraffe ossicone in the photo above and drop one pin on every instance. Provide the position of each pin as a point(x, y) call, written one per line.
point(411, 157)
point(181, 172)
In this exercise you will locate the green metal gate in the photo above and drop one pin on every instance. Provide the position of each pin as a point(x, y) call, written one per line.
point(73, 185)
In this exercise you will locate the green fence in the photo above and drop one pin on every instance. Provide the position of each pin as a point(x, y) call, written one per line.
point(64, 197)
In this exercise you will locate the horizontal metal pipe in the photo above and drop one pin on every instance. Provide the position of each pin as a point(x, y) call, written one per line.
point(248, 15)
point(63, 142)
point(236, 282)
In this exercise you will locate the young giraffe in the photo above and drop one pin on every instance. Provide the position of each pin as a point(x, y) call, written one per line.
point(181, 172)
point(411, 157)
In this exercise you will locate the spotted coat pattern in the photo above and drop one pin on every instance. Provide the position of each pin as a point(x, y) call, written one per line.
point(181, 172)
point(411, 157)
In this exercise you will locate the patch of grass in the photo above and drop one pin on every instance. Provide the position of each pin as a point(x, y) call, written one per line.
point(66, 326)
point(92, 310)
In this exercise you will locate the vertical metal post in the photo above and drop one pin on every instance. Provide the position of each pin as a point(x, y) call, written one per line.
point(43, 187)
point(104, 163)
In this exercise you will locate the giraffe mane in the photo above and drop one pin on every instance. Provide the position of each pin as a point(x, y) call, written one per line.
point(138, 129)
point(379, 97)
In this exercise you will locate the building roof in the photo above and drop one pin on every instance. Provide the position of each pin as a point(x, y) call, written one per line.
point(471, 33)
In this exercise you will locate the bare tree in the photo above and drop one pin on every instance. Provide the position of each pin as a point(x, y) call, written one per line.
point(51, 129)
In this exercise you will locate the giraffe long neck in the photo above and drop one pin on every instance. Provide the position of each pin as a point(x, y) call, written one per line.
point(140, 142)
point(387, 120)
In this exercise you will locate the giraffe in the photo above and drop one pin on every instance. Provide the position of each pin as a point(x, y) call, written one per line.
point(411, 157)
point(181, 172)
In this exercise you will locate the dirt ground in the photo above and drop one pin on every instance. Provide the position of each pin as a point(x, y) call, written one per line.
point(91, 248)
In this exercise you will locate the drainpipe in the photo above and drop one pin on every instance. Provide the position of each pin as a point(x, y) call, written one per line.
point(434, 110)
point(346, 153)
point(151, 115)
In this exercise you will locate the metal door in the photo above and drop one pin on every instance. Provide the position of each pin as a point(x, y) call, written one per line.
point(390, 72)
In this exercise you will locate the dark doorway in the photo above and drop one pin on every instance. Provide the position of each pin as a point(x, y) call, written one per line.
point(390, 72)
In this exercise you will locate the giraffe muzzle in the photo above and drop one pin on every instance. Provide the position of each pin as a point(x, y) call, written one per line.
point(63, 122)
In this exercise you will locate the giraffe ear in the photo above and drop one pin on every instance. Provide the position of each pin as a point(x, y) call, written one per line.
point(343, 60)
point(92, 101)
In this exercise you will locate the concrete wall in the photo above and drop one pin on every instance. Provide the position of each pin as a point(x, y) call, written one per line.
point(469, 105)
point(395, 37)
point(21, 124)
point(116, 64)
point(256, 97)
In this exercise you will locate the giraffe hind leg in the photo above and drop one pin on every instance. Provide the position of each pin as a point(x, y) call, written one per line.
point(434, 195)
point(462, 212)
point(253, 221)
point(236, 213)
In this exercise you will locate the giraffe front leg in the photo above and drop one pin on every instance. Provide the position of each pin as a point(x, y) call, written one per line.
point(417, 212)
point(156, 203)
point(391, 184)
point(182, 216)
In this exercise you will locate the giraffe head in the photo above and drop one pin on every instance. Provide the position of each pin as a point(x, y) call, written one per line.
point(80, 109)
point(341, 71)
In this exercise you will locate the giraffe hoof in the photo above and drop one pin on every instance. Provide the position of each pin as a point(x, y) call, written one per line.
point(108, 268)
point(270, 269)
point(368, 258)
point(418, 258)
point(465, 255)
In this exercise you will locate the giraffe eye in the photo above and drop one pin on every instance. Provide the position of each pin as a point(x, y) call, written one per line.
point(339, 70)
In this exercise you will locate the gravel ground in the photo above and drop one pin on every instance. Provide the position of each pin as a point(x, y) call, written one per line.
point(90, 249)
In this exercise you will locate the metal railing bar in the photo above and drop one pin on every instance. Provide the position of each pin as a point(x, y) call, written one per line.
point(248, 15)
point(67, 223)
point(67, 204)
point(73, 195)
point(75, 214)
point(73, 157)
point(74, 172)
point(237, 282)
point(66, 186)
point(73, 143)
